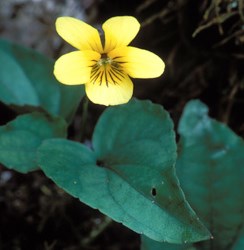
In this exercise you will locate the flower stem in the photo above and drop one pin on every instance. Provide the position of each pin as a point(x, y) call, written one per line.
point(84, 118)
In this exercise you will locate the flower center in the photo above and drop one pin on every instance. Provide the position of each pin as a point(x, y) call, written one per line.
point(104, 60)
point(106, 71)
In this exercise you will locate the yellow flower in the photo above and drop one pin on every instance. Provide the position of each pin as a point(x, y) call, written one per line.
point(104, 69)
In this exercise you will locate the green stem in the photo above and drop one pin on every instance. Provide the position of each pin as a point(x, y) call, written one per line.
point(84, 118)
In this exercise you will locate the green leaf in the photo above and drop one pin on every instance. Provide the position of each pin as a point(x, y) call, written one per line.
point(239, 243)
point(130, 175)
point(210, 168)
point(26, 80)
point(20, 138)
point(148, 244)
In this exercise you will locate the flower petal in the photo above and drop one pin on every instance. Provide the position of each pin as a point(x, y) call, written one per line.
point(119, 31)
point(138, 63)
point(79, 34)
point(75, 67)
point(109, 87)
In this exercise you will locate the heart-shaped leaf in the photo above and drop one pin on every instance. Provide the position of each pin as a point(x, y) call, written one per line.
point(20, 138)
point(26, 80)
point(211, 172)
point(130, 175)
